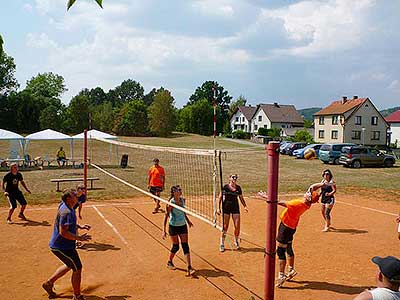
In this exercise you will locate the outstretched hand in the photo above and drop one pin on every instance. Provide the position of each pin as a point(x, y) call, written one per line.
point(262, 194)
point(85, 237)
point(86, 227)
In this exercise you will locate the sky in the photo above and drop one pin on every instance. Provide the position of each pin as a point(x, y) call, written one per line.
point(305, 53)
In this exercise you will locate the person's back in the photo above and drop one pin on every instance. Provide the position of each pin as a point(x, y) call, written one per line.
point(384, 294)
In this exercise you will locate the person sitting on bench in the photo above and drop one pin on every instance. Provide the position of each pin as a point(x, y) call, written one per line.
point(61, 157)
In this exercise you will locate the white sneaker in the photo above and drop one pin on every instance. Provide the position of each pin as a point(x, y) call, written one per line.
point(237, 244)
point(280, 281)
point(291, 274)
point(221, 248)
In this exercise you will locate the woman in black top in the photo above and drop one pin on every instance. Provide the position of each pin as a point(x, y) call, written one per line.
point(328, 191)
point(230, 206)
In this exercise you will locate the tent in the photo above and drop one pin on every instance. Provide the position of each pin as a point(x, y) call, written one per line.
point(6, 135)
point(49, 134)
point(93, 133)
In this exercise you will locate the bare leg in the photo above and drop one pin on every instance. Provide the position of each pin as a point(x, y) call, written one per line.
point(76, 281)
point(10, 212)
point(224, 231)
point(174, 240)
point(22, 209)
point(291, 261)
point(60, 272)
point(236, 223)
point(184, 239)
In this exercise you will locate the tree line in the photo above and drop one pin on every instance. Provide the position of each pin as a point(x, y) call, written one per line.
point(124, 110)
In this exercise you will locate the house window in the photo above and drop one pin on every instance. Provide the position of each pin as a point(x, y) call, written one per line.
point(335, 120)
point(234, 127)
point(259, 118)
point(334, 134)
point(266, 126)
point(356, 135)
point(375, 135)
point(358, 120)
point(374, 120)
point(321, 134)
point(321, 120)
point(255, 127)
point(242, 119)
point(237, 119)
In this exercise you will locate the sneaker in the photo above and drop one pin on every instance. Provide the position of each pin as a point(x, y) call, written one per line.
point(9, 221)
point(326, 229)
point(190, 271)
point(237, 244)
point(22, 216)
point(78, 297)
point(48, 287)
point(291, 274)
point(170, 265)
point(221, 248)
point(280, 281)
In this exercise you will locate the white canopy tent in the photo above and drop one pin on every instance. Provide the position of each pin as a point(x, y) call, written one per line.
point(6, 135)
point(49, 134)
point(93, 133)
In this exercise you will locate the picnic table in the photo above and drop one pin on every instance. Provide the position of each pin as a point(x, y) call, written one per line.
point(58, 180)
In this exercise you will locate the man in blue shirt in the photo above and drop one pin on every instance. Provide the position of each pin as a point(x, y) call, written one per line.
point(62, 244)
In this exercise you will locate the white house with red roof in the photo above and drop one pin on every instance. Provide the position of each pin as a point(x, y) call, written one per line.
point(394, 121)
point(353, 120)
point(241, 118)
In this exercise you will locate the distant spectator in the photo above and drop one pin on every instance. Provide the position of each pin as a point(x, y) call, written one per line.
point(156, 182)
point(61, 157)
point(81, 194)
point(398, 227)
point(387, 280)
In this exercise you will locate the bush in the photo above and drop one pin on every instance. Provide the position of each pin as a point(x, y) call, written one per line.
point(241, 135)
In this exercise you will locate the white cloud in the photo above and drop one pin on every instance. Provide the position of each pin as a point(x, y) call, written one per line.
point(328, 26)
point(45, 6)
point(27, 7)
point(214, 7)
point(395, 85)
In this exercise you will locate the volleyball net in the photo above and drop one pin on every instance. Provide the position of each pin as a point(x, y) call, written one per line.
point(196, 171)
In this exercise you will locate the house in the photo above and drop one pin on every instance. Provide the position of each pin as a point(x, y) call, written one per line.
point(241, 118)
point(350, 121)
point(276, 116)
point(290, 132)
point(394, 122)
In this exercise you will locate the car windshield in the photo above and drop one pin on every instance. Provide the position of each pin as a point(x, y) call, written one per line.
point(325, 147)
point(346, 150)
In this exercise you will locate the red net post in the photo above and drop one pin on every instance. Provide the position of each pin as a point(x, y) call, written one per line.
point(85, 160)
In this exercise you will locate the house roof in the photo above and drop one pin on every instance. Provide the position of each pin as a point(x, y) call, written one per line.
point(338, 107)
point(282, 113)
point(393, 117)
point(248, 111)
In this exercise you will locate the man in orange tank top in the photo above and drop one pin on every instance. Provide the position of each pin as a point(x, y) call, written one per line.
point(156, 182)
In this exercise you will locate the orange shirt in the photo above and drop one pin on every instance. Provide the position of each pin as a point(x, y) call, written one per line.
point(291, 214)
point(156, 176)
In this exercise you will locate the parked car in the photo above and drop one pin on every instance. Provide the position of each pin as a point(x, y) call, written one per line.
point(358, 156)
point(294, 146)
point(282, 148)
point(330, 153)
point(299, 153)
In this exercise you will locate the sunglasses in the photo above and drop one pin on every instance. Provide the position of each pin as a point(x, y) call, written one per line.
point(234, 177)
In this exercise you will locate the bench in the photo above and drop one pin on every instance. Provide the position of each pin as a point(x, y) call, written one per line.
point(58, 180)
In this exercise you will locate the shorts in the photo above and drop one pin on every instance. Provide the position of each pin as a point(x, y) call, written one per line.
point(69, 257)
point(156, 189)
point(328, 201)
point(285, 234)
point(13, 197)
point(175, 230)
point(230, 208)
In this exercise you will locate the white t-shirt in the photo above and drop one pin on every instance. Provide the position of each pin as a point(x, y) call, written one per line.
point(384, 294)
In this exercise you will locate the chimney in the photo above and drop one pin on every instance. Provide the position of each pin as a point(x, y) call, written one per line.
point(355, 97)
point(276, 104)
point(344, 99)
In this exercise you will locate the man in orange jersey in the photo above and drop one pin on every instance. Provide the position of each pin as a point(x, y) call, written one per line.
point(156, 182)
point(290, 218)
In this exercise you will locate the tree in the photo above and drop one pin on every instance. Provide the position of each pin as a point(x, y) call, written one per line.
point(162, 114)
point(103, 117)
point(197, 118)
point(132, 119)
point(71, 2)
point(302, 136)
point(149, 97)
point(26, 111)
point(77, 114)
point(97, 96)
point(128, 90)
point(47, 85)
point(8, 83)
point(240, 101)
point(51, 117)
point(222, 99)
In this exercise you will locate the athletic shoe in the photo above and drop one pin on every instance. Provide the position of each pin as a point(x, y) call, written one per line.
point(326, 229)
point(221, 248)
point(237, 244)
point(78, 297)
point(190, 271)
point(280, 281)
point(9, 221)
point(291, 274)
point(48, 287)
point(22, 216)
point(170, 265)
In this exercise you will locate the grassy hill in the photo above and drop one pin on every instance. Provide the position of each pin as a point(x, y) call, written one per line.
point(388, 111)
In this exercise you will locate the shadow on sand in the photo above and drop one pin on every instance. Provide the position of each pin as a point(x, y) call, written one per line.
point(326, 286)
point(98, 247)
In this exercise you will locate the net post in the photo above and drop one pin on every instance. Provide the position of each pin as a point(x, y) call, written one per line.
point(272, 150)
point(85, 159)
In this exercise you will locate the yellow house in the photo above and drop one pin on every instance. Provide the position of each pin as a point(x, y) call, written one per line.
point(353, 120)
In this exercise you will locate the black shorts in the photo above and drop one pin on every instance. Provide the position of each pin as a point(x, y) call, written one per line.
point(285, 234)
point(16, 196)
point(156, 189)
point(175, 230)
point(328, 201)
point(230, 208)
point(69, 257)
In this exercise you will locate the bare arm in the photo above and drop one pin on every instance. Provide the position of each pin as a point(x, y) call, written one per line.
point(80, 211)
point(364, 296)
point(188, 221)
point(65, 233)
point(219, 203)
point(3, 185)
point(243, 202)
point(169, 208)
point(25, 187)
point(282, 203)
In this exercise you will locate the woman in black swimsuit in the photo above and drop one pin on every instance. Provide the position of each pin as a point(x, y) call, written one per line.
point(327, 197)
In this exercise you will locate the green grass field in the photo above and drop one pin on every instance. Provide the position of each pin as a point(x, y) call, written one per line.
point(250, 163)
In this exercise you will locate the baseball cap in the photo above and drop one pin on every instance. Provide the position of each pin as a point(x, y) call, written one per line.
point(155, 159)
point(389, 266)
